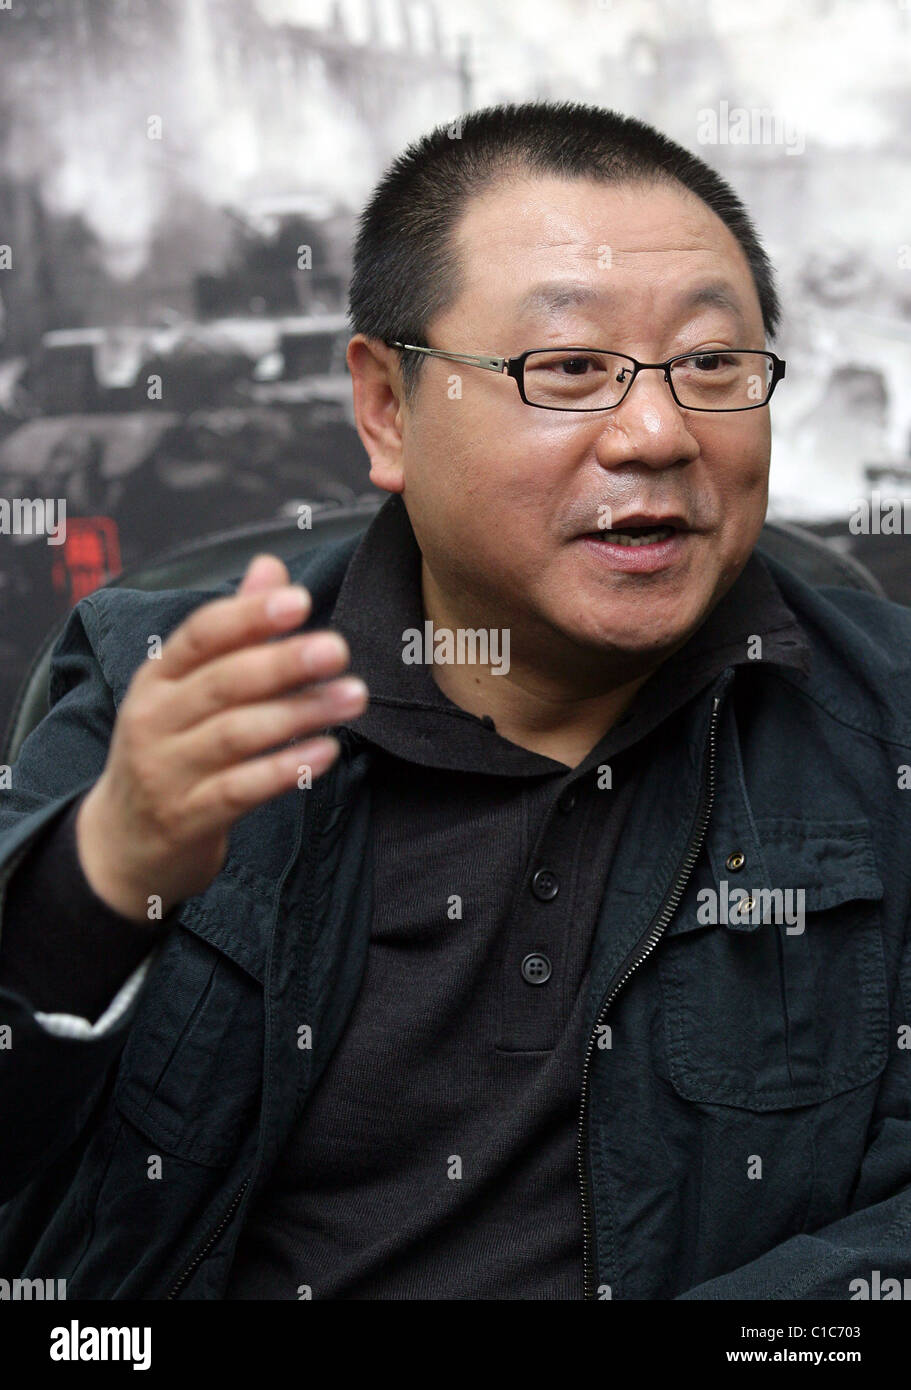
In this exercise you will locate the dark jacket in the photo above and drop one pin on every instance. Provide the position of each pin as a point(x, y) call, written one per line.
point(745, 1119)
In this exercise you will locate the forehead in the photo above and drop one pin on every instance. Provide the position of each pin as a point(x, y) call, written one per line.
point(517, 238)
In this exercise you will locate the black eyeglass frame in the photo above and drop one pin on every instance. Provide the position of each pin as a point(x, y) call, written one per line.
point(515, 367)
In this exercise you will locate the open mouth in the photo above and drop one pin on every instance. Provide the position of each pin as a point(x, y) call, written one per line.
point(635, 535)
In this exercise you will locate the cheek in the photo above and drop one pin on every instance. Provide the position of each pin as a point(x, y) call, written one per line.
point(740, 465)
point(743, 489)
point(475, 498)
point(743, 499)
point(493, 484)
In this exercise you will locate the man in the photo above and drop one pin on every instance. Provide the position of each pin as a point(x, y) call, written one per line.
point(574, 962)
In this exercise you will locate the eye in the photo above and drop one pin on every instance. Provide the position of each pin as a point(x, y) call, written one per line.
point(566, 364)
point(710, 361)
point(572, 366)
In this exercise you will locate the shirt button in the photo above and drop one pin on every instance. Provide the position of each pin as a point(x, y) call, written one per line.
point(536, 969)
point(545, 885)
point(567, 799)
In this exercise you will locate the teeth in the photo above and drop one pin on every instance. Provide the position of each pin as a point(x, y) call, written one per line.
point(643, 538)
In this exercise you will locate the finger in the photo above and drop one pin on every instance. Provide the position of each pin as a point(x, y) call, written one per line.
point(256, 673)
point(217, 802)
point(226, 624)
point(264, 572)
point(249, 729)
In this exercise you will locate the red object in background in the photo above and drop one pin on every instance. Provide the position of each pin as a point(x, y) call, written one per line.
point(88, 558)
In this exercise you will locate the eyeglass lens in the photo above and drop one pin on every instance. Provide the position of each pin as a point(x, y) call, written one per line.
point(590, 380)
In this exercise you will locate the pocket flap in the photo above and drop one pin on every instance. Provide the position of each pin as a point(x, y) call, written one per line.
point(813, 865)
point(190, 1073)
point(832, 861)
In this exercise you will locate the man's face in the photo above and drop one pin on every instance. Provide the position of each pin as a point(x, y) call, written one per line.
point(500, 494)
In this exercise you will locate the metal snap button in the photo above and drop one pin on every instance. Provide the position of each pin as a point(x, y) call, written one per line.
point(735, 861)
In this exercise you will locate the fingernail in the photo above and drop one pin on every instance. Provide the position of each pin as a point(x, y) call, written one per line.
point(284, 602)
point(351, 691)
point(328, 646)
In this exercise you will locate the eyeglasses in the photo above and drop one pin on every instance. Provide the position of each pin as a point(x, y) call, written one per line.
point(582, 378)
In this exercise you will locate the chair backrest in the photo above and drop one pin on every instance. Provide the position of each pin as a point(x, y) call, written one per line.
point(215, 558)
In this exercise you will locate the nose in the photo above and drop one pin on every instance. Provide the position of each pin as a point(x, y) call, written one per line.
point(648, 427)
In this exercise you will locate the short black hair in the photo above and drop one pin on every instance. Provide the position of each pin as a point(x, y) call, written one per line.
point(405, 270)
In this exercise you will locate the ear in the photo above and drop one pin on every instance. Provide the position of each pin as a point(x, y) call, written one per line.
point(378, 395)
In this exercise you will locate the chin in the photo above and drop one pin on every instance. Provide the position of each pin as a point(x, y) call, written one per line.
point(647, 631)
point(648, 648)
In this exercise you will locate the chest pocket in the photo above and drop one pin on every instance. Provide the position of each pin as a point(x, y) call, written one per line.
point(189, 1077)
point(777, 1013)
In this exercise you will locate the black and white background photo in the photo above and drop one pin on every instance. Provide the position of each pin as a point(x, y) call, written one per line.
point(179, 183)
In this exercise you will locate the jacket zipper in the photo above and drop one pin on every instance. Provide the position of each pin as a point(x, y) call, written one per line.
point(200, 1254)
point(204, 1250)
point(644, 948)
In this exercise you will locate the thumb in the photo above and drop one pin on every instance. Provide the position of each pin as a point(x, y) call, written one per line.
point(263, 572)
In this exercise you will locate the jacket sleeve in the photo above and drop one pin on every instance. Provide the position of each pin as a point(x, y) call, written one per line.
point(53, 1065)
point(63, 948)
point(875, 1235)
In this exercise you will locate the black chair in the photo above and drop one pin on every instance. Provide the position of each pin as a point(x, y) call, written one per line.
point(210, 561)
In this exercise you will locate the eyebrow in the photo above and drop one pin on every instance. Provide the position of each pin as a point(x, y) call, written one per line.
point(553, 295)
